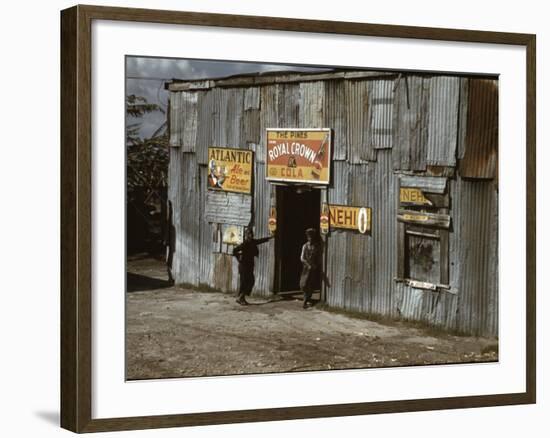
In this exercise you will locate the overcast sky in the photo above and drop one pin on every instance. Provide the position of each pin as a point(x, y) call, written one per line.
point(146, 76)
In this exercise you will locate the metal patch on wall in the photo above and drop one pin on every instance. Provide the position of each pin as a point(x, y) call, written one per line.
point(232, 234)
point(230, 170)
point(298, 155)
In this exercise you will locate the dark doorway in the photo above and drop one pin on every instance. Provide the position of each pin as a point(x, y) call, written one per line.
point(297, 210)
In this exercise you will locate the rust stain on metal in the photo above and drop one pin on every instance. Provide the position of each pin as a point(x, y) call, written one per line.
point(481, 144)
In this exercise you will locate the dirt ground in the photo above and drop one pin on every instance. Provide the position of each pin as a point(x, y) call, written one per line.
point(176, 332)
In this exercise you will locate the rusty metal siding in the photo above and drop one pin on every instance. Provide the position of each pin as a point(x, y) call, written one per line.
point(443, 120)
point(208, 240)
point(335, 103)
point(176, 118)
point(223, 278)
point(357, 122)
point(205, 125)
point(173, 191)
point(265, 267)
point(228, 115)
point(288, 105)
point(219, 105)
point(462, 118)
point(381, 113)
point(186, 206)
point(336, 247)
point(359, 261)
point(477, 276)
point(234, 118)
point(188, 134)
point(435, 308)
point(190, 227)
point(312, 108)
point(382, 197)
point(268, 118)
point(251, 98)
point(410, 123)
point(251, 118)
point(337, 193)
point(481, 144)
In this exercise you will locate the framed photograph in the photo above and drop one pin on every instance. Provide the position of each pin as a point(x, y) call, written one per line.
point(268, 219)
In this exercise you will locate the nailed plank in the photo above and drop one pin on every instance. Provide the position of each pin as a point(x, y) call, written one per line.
point(423, 218)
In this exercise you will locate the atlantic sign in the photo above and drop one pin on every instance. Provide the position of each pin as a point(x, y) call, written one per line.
point(230, 169)
point(298, 155)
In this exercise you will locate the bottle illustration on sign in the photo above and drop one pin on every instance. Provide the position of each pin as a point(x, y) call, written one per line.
point(324, 222)
point(318, 163)
point(216, 175)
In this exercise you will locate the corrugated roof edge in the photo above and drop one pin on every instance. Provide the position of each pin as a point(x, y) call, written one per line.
point(267, 78)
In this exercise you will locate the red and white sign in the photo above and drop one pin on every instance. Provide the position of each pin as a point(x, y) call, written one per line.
point(298, 155)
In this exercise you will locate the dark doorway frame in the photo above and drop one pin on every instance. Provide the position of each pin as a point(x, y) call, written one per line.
point(298, 208)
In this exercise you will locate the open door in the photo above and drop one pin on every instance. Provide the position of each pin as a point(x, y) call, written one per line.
point(297, 210)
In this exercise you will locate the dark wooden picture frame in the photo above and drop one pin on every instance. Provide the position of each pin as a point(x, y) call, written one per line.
point(76, 218)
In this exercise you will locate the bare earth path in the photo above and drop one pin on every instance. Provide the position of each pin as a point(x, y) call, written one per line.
point(175, 332)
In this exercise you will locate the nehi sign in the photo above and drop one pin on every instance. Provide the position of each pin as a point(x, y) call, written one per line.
point(350, 218)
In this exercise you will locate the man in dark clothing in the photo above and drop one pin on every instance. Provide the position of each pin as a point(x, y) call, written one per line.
point(170, 242)
point(245, 253)
point(311, 263)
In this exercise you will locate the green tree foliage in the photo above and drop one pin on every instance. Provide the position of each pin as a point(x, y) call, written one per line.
point(146, 158)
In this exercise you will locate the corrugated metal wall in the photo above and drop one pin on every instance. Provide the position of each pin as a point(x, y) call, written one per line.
point(384, 128)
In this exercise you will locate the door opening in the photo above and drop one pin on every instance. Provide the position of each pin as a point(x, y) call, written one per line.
point(297, 210)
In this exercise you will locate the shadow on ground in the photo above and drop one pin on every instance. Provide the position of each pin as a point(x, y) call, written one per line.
point(138, 282)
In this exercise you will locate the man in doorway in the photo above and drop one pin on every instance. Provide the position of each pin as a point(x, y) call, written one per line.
point(245, 254)
point(311, 262)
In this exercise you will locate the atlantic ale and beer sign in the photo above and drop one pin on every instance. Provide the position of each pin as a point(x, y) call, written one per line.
point(298, 155)
point(230, 169)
